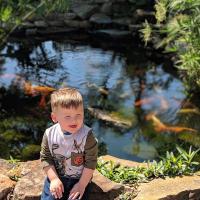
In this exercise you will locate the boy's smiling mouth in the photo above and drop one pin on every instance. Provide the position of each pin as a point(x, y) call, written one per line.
point(73, 126)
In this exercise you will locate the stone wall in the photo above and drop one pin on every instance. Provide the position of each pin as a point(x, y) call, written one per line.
point(114, 18)
point(29, 185)
point(24, 181)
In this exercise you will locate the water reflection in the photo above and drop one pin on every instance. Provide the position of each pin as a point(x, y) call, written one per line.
point(125, 81)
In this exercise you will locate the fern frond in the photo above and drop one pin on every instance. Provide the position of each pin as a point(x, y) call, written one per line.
point(161, 11)
point(146, 32)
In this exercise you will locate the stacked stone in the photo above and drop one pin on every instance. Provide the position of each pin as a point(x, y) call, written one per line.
point(115, 18)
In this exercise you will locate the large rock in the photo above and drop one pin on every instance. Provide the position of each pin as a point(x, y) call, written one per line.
point(107, 117)
point(77, 24)
point(6, 186)
point(31, 184)
point(84, 11)
point(100, 18)
point(103, 188)
point(69, 16)
point(179, 188)
point(61, 16)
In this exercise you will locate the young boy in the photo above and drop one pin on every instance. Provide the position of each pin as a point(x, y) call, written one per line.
point(68, 150)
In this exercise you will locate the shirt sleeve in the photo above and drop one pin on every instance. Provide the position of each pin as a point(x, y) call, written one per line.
point(45, 154)
point(91, 151)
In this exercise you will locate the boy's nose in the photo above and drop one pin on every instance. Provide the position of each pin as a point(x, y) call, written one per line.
point(74, 119)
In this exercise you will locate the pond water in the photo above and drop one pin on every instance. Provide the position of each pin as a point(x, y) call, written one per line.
point(119, 77)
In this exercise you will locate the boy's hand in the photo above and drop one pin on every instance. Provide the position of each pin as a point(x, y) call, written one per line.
point(77, 191)
point(56, 188)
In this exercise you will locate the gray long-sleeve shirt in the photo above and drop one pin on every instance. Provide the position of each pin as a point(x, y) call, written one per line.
point(69, 154)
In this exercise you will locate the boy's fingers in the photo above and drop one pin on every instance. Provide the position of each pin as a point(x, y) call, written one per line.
point(70, 196)
point(59, 192)
point(77, 194)
point(62, 188)
point(55, 195)
point(73, 196)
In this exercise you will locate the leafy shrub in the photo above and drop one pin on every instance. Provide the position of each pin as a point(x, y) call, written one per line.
point(178, 24)
point(171, 165)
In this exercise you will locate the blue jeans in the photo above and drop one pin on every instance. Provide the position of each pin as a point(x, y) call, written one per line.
point(68, 185)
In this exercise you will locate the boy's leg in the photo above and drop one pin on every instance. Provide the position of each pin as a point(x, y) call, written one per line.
point(46, 194)
point(68, 185)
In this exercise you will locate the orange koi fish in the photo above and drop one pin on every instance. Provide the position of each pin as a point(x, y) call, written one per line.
point(161, 127)
point(34, 90)
point(38, 90)
point(144, 101)
point(163, 102)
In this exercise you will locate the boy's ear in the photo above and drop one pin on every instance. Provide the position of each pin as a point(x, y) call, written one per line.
point(53, 117)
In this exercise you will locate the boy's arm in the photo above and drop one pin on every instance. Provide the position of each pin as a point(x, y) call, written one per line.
point(56, 186)
point(91, 152)
point(86, 177)
point(45, 154)
point(51, 173)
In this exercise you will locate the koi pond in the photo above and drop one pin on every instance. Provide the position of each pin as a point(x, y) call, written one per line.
point(121, 79)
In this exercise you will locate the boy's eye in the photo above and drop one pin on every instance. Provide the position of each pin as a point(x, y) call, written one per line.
point(67, 117)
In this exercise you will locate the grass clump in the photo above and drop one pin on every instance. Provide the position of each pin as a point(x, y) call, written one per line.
point(14, 173)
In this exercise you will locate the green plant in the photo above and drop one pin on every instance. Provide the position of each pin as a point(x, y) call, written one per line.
point(127, 196)
point(178, 31)
point(119, 173)
point(14, 12)
point(171, 165)
point(13, 160)
point(188, 158)
point(14, 173)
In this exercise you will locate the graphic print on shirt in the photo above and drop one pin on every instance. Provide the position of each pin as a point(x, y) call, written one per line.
point(77, 158)
point(65, 165)
point(60, 160)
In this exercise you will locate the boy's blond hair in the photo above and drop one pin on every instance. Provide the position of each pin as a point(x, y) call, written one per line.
point(66, 98)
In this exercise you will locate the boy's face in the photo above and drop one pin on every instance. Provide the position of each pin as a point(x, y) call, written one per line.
point(70, 119)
